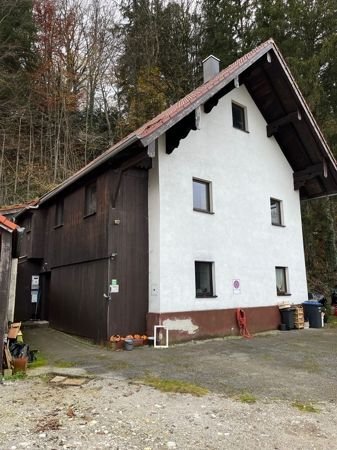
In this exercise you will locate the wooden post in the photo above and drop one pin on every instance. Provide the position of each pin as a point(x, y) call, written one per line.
point(5, 271)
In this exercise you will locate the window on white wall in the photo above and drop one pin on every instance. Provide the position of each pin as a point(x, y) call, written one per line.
point(204, 279)
point(202, 196)
point(276, 212)
point(239, 114)
point(282, 283)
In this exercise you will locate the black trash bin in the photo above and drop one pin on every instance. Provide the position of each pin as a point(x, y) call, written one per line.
point(287, 317)
point(313, 313)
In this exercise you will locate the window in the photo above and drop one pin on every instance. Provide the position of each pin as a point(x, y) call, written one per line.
point(276, 211)
point(201, 195)
point(59, 213)
point(90, 199)
point(239, 117)
point(204, 279)
point(281, 280)
point(28, 224)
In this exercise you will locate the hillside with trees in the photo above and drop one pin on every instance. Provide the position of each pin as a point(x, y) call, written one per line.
point(78, 75)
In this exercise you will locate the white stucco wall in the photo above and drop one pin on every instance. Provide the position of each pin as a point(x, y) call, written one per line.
point(246, 170)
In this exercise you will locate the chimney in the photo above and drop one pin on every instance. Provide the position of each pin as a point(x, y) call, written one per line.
point(211, 67)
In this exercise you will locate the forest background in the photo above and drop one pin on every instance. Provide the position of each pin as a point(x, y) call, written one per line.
point(78, 75)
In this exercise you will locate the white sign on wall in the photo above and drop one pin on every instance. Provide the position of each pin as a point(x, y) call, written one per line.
point(34, 296)
point(114, 288)
point(236, 286)
point(35, 282)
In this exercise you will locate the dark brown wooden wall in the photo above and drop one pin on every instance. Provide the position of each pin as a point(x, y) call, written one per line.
point(78, 257)
point(5, 264)
point(5, 272)
point(80, 238)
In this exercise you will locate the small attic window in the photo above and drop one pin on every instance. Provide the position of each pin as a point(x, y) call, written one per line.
point(239, 117)
point(90, 199)
point(59, 213)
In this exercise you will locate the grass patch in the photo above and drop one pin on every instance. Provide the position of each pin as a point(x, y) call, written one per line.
point(119, 365)
point(16, 376)
point(63, 364)
point(306, 407)
point(246, 397)
point(39, 362)
point(332, 321)
point(177, 386)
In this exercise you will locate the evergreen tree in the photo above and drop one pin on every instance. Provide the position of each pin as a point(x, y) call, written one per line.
point(226, 29)
point(157, 65)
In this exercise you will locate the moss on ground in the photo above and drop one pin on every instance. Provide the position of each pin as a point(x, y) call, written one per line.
point(176, 386)
point(39, 362)
point(305, 407)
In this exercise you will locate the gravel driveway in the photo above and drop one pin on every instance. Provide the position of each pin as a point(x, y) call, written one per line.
point(113, 410)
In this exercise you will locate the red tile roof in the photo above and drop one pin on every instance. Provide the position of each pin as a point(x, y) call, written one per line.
point(151, 126)
point(7, 224)
point(16, 207)
point(162, 122)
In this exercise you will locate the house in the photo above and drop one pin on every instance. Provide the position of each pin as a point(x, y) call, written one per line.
point(193, 215)
point(8, 268)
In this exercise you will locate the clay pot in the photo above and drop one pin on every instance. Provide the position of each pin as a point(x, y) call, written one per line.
point(20, 364)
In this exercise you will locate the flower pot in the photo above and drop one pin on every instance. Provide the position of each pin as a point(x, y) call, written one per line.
point(20, 364)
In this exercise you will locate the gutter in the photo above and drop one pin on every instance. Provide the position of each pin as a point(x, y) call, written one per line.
point(22, 211)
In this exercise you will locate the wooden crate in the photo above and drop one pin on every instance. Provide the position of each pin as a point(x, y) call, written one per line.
point(299, 317)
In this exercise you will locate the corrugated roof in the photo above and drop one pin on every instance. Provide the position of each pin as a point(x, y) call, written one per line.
point(7, 224)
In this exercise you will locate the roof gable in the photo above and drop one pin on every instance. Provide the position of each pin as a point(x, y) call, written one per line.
point(273, 88)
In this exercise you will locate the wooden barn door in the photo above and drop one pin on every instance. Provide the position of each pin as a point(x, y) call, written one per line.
point(128, 265)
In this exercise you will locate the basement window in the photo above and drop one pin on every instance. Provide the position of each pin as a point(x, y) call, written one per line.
point(90, 199)
point(282, 280)
point(239, 117)
point(202, 196)
point(276, 212)
point(59, 213)
point(204, 279)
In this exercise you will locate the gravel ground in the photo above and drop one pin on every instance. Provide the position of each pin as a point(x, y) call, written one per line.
point(113, 410)
point(120, 414)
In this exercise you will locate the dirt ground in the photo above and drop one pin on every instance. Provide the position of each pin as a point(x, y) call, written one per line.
point(113, 409)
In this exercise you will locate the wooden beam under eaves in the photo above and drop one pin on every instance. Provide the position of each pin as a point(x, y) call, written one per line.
point(274, 126)
point(302, 176)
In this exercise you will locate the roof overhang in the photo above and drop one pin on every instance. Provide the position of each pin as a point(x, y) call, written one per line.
point(267, 77)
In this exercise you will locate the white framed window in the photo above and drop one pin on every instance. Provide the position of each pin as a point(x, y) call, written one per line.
point(239, 115)
point(276, 212)
point(202, 195)
point(282, 280)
